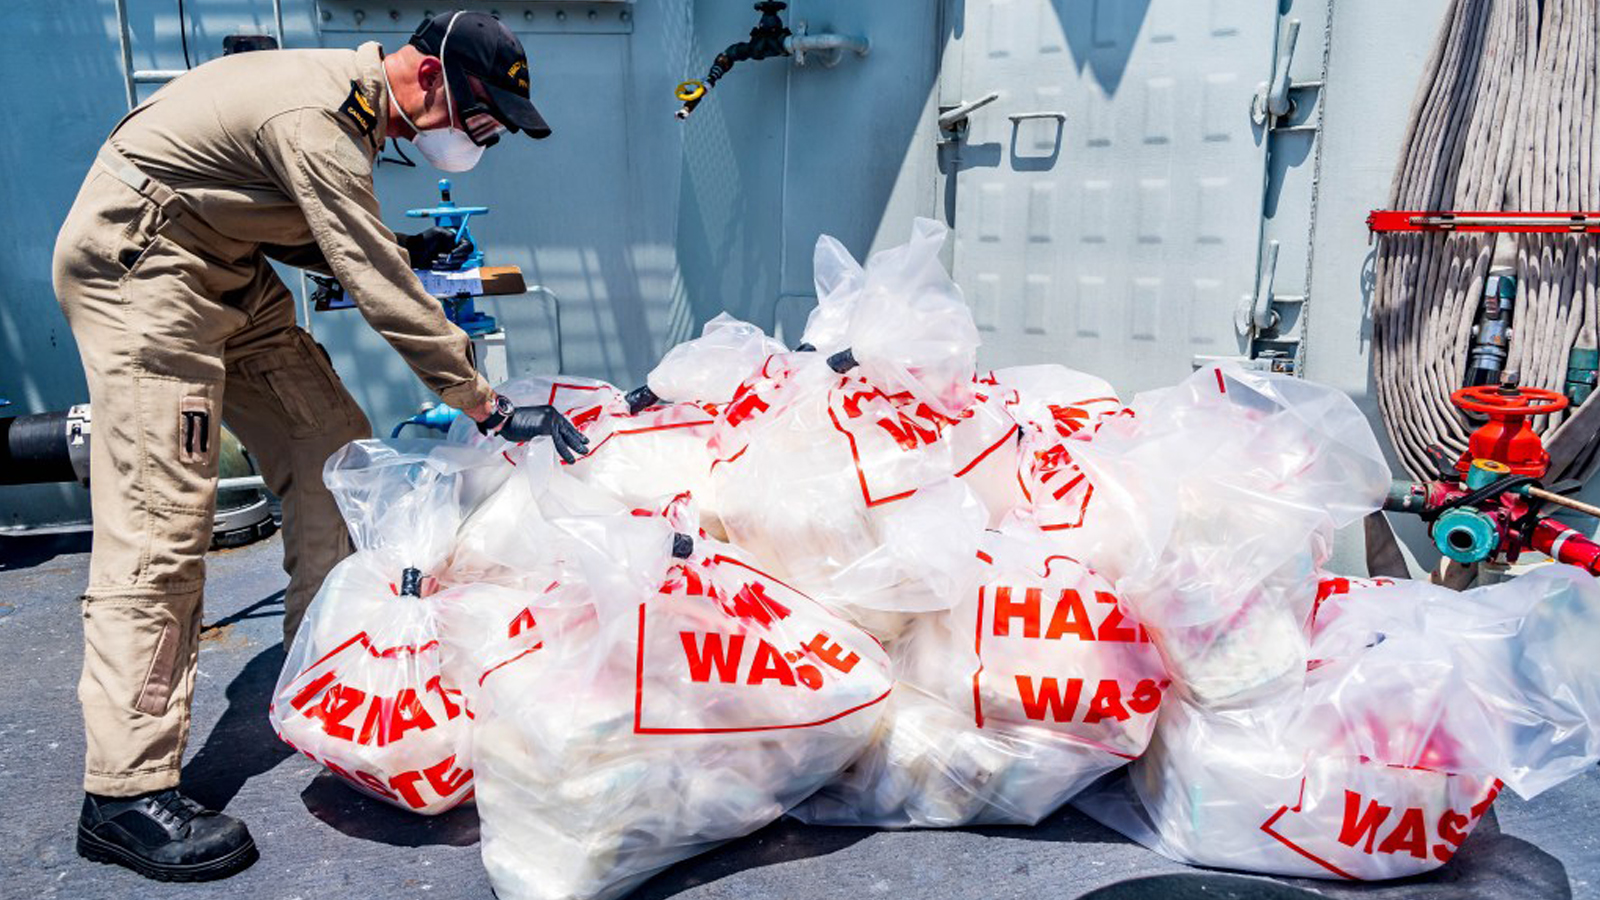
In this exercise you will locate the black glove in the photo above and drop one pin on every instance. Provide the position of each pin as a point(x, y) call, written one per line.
point(528, 422)
point(436, 248)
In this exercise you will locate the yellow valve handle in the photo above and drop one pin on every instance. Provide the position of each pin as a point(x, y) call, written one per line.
point(691, 90)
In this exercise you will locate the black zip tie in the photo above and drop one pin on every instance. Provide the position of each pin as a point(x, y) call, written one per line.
point(411, 583)
point(682, 545)
point(640, 399)
point(843, 361)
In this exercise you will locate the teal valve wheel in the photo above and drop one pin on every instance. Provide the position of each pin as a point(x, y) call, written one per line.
point(1466, 535)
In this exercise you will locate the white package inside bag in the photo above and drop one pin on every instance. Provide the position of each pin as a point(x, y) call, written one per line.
point(1034, 685)
point(362, 688)
point(1418, 704)
point(693, 699)
point(1214, 504)
point(844, 491)
point(507, 538)
point(1039, 408)
point(708, 369)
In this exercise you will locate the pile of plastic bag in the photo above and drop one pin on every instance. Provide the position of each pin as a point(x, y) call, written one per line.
point(693, 699)
point(1420, 705)
point(1316, 726)
point(864, 582)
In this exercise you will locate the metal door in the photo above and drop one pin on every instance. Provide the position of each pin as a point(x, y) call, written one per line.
point(1108, 205)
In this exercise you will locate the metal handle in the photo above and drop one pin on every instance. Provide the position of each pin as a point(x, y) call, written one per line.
point(1256, 313)
point(829, 48)
point(949, 119)
point(1018, 117)
point(1273, 100)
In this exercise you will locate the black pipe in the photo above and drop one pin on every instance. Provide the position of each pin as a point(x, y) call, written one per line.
point(35, 449)
point(766, 41)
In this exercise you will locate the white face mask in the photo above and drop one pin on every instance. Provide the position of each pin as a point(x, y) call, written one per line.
point(447, 149)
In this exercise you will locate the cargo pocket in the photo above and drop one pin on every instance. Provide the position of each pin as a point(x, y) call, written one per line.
point(179, 433)
point(156, 690)
point(139, 237)
point(134, 651)
point(180, 430)
point(301, 379)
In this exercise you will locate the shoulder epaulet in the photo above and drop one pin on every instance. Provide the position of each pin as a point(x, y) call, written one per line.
point(360, 110)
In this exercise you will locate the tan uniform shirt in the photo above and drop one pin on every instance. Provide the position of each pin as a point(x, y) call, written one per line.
point(274, 151)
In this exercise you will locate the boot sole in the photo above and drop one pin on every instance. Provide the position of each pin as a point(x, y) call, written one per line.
point(99, 850)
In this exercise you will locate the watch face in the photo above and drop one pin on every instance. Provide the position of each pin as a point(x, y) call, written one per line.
point(503, 406)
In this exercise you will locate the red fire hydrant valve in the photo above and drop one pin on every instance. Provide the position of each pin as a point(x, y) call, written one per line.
point(1507, 437)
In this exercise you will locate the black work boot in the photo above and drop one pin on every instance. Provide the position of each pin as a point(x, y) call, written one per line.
point(164, 835)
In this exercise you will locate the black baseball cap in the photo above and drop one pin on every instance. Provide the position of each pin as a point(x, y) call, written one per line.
point(482, 46)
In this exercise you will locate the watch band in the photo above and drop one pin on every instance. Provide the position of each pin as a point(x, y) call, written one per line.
point(498, 416)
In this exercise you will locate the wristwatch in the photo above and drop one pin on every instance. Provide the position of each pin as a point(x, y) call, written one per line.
point(503, 408)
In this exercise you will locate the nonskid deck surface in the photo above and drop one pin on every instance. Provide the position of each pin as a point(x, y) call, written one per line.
point(320, 839)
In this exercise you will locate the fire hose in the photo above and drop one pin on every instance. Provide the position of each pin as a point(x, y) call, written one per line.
point(1504, 118)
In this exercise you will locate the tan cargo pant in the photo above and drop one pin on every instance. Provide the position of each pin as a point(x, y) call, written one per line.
point(167, 313)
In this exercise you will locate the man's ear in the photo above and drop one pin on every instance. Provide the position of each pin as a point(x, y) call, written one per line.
point(430, 73)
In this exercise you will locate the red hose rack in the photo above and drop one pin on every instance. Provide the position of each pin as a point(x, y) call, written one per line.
point(1392, 220)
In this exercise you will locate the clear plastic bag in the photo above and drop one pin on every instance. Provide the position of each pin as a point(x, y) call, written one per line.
point(641, 459)
point(836, 467)
point(1034, 685)
point(1213, 507)
point(1040, 408)
point(507, 539)
point(1418, 703)
point(362, 690)
point(843, 491)
point(838, 278)
point(710, 368)
point(687, 700)
point(901, 317)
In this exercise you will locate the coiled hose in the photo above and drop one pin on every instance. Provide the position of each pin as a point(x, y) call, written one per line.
point(1504, 119)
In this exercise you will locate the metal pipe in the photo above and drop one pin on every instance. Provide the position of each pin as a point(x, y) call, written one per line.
point(154, 76)
point(1567, 545)
point(798, 45)
point(1023, 116)
point(1575, 220)
point(555, 313)
point(127, 52)
point(809, 42)
point(36, 449)
point(277, 21)
point(1568, 502)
